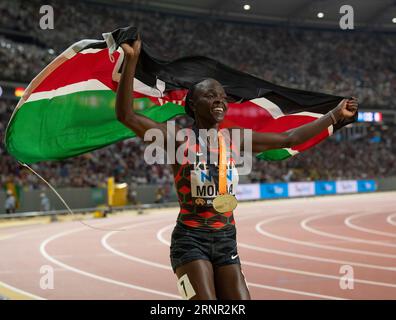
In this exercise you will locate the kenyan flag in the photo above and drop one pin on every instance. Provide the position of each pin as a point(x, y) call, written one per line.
point(68, 109)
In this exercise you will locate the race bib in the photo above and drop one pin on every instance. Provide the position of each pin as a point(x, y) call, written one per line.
point(203, 187)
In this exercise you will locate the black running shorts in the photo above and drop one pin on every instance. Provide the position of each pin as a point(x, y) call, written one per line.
point(188, 244)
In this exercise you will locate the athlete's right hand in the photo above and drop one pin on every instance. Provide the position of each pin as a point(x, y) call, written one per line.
point(346, 109)
point(133, 51)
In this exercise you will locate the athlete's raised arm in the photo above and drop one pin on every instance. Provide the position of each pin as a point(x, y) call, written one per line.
point(124, 102)
point(266, 141)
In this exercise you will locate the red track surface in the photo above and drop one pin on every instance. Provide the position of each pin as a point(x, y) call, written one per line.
point(290, 249)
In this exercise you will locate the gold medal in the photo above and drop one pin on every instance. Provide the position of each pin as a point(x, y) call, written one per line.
point(225, 203)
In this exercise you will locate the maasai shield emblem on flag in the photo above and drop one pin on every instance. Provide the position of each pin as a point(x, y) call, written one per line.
point(68, 109)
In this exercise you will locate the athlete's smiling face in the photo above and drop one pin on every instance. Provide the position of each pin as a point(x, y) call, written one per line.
point(209, 102)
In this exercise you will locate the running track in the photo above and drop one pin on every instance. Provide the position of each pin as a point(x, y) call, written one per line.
point(290, 249)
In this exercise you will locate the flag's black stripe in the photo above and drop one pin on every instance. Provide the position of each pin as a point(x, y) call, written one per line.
point(184, 72)
point(95, 45)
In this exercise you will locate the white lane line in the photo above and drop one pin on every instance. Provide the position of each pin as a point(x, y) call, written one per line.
point(13, 235)
point(298, 292)
point(26, 231)
point(314, 258)
point(305, 226)
point(389, 219)
point(316, 274)
point(95, 276)
point(260, 230)
point(19, 291)
point(161, 238)
point(129, 257)
point(348, 222)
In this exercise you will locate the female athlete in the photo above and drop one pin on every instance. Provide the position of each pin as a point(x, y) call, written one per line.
point(203, 251)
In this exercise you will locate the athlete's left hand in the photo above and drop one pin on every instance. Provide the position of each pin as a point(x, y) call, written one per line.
point(132, 51)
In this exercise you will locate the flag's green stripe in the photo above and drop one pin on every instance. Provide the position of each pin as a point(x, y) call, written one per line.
point(274, 155)
point(73, 124)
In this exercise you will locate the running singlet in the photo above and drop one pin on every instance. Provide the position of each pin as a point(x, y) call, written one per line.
point(196, 190)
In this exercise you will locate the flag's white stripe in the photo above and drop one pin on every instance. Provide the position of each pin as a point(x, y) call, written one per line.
point(89, 85)
point(268, 105)
point(77, 47)
point(276, 112)
point(291, 151)
point(330, 130)
point(92, 85)
point(80, 45)
point(110, 42)
point(143, 88)
point(68, 53)
point(90, 51)
point(306, 113)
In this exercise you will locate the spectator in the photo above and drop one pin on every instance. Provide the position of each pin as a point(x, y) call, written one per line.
point(10, 202)
point(133, 195)
point(44, 202)
point(159, 195)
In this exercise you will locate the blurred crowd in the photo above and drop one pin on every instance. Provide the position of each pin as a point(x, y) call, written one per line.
point(369, 156)
point(343, 63)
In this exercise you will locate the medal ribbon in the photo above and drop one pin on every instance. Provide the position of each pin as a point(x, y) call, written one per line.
point(221, 182)
point(222, 165)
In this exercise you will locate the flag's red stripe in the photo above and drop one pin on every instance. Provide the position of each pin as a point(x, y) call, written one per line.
point(249, 115)
point(81, 67)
